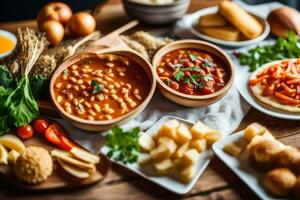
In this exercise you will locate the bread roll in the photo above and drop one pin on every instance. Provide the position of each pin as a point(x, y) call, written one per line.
point(287, 157)
point(240, 19)
point(296, 190)
point(224, 33)
point(284, 19)
point(212, 20)
point(280, 182)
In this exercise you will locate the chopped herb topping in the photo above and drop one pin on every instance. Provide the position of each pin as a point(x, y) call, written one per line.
point(177, 65)
point(66, 72)
point(97, 87)
point(193, 57)
point(208, 63)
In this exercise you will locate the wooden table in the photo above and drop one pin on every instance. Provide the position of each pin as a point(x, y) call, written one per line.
point(217, 182)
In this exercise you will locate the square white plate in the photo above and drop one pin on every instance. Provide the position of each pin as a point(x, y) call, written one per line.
point(240, 166)
point(165, 181)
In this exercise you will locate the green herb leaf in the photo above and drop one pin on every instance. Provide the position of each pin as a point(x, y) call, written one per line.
point(168, 82)
point(66, 72)
point(40, 87)
point(207, 63)
point(178, 75)
point(191, 69)
point(6, 78)
point(283, 48)
point(208, 78)
point(195, 79)
point(193, 57)
point(124, 146)
point(97, 87)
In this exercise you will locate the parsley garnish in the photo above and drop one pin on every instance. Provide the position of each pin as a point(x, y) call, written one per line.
point(283, 48)
point(191, 69)
point(193, 57)
point(194, 79)
point(208, 77)
point(168, 82)
point(97, 87)
point(207, 63)
point(66, 72)
point(178, 75)
point(124, 145)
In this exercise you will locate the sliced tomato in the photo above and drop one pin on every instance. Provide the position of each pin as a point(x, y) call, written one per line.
point(186, 89)
point(65, 144)
point(52, 136)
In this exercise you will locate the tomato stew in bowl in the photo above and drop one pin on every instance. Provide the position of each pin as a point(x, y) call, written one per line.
point(103, 87)
point(192, 71)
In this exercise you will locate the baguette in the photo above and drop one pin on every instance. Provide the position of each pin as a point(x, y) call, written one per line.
point(224, 33)
point(212, 20)
point(240, 19)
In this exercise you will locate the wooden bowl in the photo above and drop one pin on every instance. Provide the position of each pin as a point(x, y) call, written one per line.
point(114, 45)
point(192, 100)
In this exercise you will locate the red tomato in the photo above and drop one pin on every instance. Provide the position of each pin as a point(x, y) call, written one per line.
point(186, 89)
point(40, 125)
point(56, 135)
point(207, 90)
point(51, 135)
point(65, 144)
point(174, 85)
point(25, 132)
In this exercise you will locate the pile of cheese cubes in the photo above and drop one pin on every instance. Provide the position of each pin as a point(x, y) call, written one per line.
point(175, 148)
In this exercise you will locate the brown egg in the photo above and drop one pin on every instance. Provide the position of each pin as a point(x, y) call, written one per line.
point(82, 24)
point(280, 182)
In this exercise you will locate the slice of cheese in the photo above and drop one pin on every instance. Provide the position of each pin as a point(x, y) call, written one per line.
point(146, 142)
point(253, 130)
point(183, 134)
point(163, 167)
point(168, 129)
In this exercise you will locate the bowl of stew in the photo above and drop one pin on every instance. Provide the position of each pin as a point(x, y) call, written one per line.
point(96, 91)
point(193, 73)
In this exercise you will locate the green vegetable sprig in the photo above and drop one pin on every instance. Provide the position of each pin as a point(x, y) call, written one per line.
point(283, 48)
point(97, 87)
point(124, 145)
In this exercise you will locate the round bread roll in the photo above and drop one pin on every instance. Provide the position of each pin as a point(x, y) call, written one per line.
point(280, 182)
point(34, 165)
point(296, 190)
point(287, 157)
point(284, 19)
point(262, 152)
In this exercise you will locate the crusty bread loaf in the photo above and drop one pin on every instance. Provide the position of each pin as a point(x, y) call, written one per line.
point(284, 19)
point(240, 19)
point(212, 20)
point(224, 33)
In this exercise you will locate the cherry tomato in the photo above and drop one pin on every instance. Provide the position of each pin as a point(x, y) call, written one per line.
point(186, 89)
point(40, 125)
point(25, 132)
point(65, 144)
point(174, 85)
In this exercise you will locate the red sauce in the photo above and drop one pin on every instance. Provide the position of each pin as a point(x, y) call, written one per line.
point(193, 71)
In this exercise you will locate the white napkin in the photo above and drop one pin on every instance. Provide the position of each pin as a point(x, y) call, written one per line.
point(224, 115)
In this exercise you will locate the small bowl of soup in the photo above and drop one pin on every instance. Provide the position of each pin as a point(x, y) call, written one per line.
point(193, 73)
point(96, 91)
point(8, 42)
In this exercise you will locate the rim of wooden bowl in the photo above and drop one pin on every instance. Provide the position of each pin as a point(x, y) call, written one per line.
point(73, 59)
point(194, 44)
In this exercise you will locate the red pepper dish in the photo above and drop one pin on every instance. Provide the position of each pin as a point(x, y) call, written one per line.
point(192, 72)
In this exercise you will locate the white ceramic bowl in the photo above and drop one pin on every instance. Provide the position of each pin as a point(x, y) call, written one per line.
point(10, 36)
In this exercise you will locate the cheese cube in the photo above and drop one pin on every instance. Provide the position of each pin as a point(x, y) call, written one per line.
point(232, 149)
point(183, 134)
point(168, 129)
point(187, 173)
point(160, 152)
point(212, 137)
point(199, 144)
point(169, 143)
point(189, 157)
point(144, 159)
point(253, 130)
point(180, 151)
point(199, 129)
point(163, 167)
point(146, 142)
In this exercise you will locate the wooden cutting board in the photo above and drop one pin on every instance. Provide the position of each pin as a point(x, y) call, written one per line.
point(59, 178)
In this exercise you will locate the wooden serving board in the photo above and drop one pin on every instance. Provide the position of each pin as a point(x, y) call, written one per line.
point(59, 178)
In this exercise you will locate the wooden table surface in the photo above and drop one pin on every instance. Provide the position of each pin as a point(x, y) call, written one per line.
point(217, 182)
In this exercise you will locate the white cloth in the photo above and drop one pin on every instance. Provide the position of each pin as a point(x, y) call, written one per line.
point(224, 115)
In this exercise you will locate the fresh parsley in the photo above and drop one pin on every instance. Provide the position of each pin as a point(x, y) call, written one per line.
point(168, 82)
point(178, 75)
point(208, 63)
point(124, 145)
point(193, 57)
point(208, 78)
point(6, 78)
point(283, 48)
point(66, 72)
point(97, 87)
point(195, 79)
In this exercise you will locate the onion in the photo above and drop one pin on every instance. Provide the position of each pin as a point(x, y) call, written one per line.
point(82, 24)
point(54, 31)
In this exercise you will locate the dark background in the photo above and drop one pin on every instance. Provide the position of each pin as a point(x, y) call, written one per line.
point(14, 10)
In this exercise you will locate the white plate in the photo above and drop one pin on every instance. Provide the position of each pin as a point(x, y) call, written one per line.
point(165, 181)
point(239, 165)
point(241, 82)
point(10, 36)
point(193, 24)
